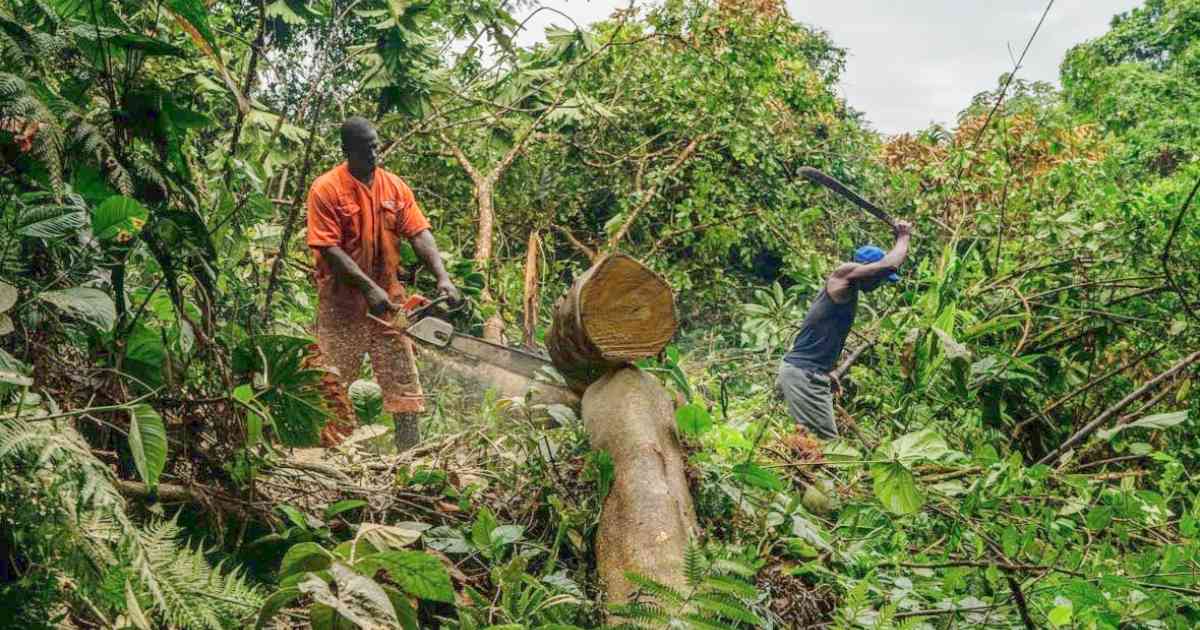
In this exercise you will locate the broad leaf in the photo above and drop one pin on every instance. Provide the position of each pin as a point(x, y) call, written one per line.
point(303, 558)
point(1156, 421)
point(342, 507)
point(391, 536)
point(418, 573)
point(758, 477)
point(274, 604)
point(896, 488)
point(367, 398)
point(51, 222)
point(148, 443)
point(119, 219)
point(8, 296)
point(924, 444)
point(93, 306)
point(358, 599)
point(693, 420)
point(506, 535)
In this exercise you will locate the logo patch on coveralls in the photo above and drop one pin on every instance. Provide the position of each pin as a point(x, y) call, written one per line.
point(389, 204)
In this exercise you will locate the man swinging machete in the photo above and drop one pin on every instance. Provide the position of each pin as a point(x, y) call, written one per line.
point(804, 377)
point(357, 215)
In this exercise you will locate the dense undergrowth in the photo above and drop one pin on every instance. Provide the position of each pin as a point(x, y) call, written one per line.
point(1019, 416)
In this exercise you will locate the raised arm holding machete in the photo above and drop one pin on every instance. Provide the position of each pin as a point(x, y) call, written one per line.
point(804, 373)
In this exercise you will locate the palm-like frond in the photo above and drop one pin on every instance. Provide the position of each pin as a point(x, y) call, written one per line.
point(187, 591)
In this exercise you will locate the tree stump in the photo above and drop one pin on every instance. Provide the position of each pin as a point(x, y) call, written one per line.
point(648, 518)
point(616, 313)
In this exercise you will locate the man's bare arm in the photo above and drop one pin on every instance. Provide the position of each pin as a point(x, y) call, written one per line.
point(890, 261)
point(347, 271)
point(426, 248)
point(840, 282)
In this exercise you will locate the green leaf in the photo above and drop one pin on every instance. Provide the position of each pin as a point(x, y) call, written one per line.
point(404, 608)
point(118, 219)
point(342, 507)
point(359, 599)
point(145, 356)
point(693, 420)
point(924, 444)
point(506, 535)
point(243, 393)
point(93, 306)
point(367, 398)
point(8, 296)
point(416, 572)
point(1157, 421)
point(148, 443)
point(1099, 517)
point(838, 451)
point(303, 558)
point(274, 604)
point(1060, 616)
point(758, 477)
point(481, 530)
point(51, 222)
point(896, 488)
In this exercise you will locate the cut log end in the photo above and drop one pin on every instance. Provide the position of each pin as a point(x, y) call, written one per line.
point(616, 313)
point(626, 310)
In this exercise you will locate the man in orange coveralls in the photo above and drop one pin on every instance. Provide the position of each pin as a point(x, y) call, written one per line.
point(357, 214)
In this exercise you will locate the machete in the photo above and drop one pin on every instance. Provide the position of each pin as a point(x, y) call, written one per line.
point(813, 175)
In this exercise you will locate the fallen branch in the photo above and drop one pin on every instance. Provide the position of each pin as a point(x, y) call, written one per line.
point(1092, 426)
point(1019, 599)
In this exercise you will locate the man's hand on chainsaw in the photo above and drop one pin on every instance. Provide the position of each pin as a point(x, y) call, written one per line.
point(378, 302)
point(446, 287)
point(904, 228)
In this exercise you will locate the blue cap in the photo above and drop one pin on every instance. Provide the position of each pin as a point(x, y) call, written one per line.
point(868, 254)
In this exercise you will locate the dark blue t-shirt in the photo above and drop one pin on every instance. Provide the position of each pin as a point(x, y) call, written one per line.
point(823, 334)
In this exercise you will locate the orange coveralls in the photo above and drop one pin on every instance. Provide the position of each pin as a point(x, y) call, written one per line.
point(368, 223)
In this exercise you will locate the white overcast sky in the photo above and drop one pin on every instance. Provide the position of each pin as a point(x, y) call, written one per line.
point(912, 62)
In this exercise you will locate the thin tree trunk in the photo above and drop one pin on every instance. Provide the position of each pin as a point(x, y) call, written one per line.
point(531, 299)
point(289, 227)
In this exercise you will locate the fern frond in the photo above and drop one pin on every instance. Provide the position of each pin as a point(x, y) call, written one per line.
point(731, 586)
point(186, 589)
point(640, 611)
point(727, 607)
point(694, 564)
point(662, 592)
point(701, 622)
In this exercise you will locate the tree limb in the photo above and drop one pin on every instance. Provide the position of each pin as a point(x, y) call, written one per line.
point(1092, 426)
point(1166, 255)
point(648, 195)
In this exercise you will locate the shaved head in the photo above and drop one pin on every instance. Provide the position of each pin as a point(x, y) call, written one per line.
point(356, 129)
point(360, 143)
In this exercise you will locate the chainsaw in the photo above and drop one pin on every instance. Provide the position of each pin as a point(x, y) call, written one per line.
point(511, 371)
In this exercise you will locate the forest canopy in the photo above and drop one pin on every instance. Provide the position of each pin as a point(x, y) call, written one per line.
point(1019, 427)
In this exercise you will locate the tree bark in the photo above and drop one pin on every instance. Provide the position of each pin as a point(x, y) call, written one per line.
point(616, 312)
point(648, 518)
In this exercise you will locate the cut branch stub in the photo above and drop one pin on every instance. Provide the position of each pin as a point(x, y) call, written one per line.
point(616, 312)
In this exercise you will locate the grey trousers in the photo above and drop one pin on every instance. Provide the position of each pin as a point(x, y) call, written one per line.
point(809, 399)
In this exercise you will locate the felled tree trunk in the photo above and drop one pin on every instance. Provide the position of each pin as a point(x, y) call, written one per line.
point(616, 312)
point(648, 517)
